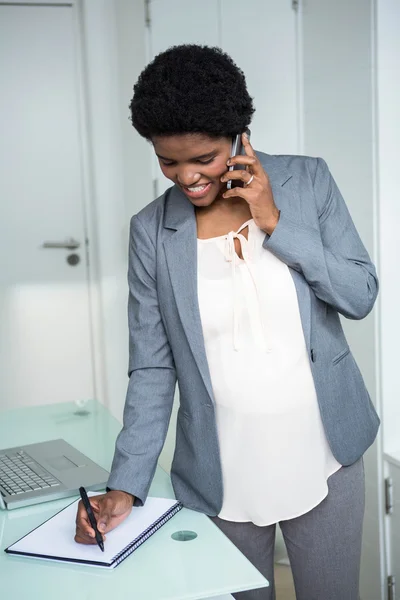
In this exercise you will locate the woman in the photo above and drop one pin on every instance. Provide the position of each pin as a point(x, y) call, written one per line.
point(236, 295)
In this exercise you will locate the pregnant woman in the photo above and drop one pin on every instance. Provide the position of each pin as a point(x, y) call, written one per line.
point(236, 295)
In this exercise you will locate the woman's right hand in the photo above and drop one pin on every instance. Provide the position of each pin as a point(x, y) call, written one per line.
point(110, 510)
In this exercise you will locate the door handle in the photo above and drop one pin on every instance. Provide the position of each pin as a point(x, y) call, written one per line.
point(69, 244)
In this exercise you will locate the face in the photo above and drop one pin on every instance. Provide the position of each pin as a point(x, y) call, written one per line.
point(195, 162)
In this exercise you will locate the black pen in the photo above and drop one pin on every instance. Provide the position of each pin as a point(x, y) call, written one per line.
point(92, 518)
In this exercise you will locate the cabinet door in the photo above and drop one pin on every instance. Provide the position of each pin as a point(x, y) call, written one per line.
point(394, 528)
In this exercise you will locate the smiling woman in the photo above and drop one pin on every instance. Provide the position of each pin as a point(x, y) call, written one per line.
point(236, 294)
point(195, 162)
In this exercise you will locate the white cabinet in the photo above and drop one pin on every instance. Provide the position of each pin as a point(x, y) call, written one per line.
point(393, 524)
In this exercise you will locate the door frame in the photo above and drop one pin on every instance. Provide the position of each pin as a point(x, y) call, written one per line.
point(88, 208)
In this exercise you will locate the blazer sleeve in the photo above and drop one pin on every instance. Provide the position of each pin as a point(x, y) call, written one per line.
point(152, 376)
point(332, 258)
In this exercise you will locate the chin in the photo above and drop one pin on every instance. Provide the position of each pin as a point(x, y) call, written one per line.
point(202, 201)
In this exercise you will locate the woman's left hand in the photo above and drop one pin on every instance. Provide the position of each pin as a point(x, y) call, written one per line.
point(256, 190)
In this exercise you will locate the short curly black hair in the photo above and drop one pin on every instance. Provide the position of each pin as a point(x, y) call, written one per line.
point(191, 89)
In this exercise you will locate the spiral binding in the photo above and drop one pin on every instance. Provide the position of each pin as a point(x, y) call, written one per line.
point(127, 551)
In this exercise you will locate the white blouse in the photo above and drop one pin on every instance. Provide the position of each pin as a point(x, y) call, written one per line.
point(274, 453)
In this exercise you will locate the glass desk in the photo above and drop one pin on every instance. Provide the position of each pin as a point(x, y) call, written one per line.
point(161, 569)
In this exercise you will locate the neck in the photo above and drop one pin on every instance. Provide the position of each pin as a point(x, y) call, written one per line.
point(225, 207)
point(221, 217)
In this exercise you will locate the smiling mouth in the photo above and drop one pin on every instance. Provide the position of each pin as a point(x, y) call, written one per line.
point(197, 191)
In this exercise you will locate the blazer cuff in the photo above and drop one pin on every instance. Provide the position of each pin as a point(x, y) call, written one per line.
point(293, 242)
point(137, 501)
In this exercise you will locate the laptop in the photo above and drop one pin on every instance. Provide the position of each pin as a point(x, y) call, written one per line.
point(46, 471)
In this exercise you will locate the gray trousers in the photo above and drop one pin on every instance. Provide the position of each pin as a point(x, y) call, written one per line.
point(324, 545)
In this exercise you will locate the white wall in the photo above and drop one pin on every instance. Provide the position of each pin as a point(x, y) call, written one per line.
point(388, 105)
point(339, 117)
point(388, 63)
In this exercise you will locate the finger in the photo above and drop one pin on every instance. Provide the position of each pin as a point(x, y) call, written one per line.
point(83, 524)
point(106, 512)
point(86, 535)
point(85, 532)
point(83, 539)
point(82, 519)
point(238, 175)
point(235, 192)
point(248, 148)
point(94, 503)
point(242, 159)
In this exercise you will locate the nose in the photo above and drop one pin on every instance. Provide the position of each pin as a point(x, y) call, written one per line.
point(187, 177)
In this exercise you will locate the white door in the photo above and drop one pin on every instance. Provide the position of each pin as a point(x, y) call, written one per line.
point(260, 36)
point(45, 341)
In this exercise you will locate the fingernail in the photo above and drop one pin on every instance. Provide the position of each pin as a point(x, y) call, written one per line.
point(246, 136)
point(228, 162)
point(102, 526)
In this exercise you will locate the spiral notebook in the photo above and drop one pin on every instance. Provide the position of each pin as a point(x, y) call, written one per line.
point(54, 539)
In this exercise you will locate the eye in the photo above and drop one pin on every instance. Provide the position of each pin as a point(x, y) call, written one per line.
point(206, 162)
point(166, 164)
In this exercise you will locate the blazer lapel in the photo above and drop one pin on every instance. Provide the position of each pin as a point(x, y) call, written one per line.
point(181, 256)
point(286, 196)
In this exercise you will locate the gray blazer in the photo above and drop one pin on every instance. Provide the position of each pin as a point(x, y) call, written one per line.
point(332, 273)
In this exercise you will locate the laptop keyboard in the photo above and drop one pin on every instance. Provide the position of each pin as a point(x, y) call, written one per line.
point(19, 474)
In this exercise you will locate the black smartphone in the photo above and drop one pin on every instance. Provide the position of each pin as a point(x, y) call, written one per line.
point(236, 150)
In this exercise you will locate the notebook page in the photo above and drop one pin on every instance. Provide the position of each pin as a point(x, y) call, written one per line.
point(55, 538)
